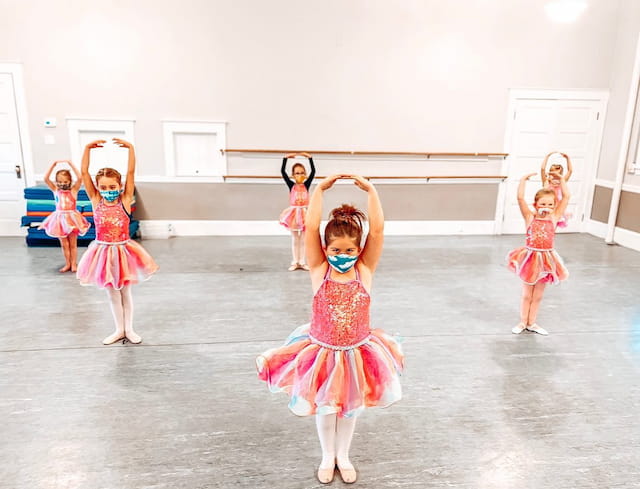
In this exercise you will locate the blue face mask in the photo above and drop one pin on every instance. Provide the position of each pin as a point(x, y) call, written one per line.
point(342, 263)
point(110, 195)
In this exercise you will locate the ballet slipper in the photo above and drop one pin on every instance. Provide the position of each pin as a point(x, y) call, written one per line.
point(348, 474)
point(294, 266)
point(518, 328)
point(113, 338)
point(133, 337)
point(325, 476)
point(304, 266)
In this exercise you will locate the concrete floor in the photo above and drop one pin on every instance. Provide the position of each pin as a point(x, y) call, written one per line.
point(482, 408)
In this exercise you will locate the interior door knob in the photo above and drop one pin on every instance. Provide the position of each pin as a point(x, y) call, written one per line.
point(18, 171)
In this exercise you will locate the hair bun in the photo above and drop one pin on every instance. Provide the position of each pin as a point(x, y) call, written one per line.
point(347, 212)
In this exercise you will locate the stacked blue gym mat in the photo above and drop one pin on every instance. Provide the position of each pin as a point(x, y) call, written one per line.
point(41, 203)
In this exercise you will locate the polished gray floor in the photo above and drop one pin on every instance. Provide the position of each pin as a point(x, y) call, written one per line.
point(482, 408)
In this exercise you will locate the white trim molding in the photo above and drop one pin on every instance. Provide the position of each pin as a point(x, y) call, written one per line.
point(159, 229)
point(621, 236)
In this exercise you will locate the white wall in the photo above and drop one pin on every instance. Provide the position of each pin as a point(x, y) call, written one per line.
point(363, 74)
point(621, 70)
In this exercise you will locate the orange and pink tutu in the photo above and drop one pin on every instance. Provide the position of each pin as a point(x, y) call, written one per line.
point(113, 259)
point(538, 261)
point(336, 364)
point(66, 219)
point(293, 216)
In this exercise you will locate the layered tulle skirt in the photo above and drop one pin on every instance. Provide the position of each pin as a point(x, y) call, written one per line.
point(60, 224)
point(322, 380)
point(115, 265)
point(293, 218)
point(534, 266)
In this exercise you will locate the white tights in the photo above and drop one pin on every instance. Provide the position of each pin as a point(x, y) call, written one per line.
point(335, 435)
point(121, 302)
point(297, 247)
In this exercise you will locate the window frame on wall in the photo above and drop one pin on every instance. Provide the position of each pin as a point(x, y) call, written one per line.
point(172, 127)
point(77, 125)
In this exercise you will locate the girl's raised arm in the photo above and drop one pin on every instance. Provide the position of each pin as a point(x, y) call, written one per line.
point(561, 206)
point(47, 177)
point(283, 170)
point(569, 166)
point(370, 255)
point(522, 203)
point(543, 169)
point(312, 240)
point(129, 184)
point(312, 173)
point(78, 183)
point(91, 189)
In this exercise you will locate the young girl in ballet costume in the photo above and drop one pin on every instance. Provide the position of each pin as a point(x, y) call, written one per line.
point(293, 217)
point(554, 183)
point(113, 261)
point(65, 223)
point(337, 365)
point(537, 263)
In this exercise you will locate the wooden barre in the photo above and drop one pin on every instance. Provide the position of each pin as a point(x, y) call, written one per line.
point(379, 177)
point(361, 153)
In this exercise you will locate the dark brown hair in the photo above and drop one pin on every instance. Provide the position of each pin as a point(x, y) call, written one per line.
point(293, 168)
point(65, 173)
point(109, 173)
point(345, 221)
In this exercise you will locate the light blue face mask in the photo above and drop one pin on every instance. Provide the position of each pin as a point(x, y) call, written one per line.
point(342, 263)
point(110, 195)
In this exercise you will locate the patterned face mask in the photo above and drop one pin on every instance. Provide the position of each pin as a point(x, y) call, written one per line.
point(63, 186)
point(342, 263)
point(110, 195)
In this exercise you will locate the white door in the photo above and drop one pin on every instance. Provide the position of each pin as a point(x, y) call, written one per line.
point(539, 126)
point(12, 173)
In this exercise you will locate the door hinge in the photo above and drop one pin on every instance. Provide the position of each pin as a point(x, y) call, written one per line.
point(514, 115)
point(598, 116)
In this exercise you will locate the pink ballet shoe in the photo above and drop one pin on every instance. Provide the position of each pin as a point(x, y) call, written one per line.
point(349, 475)
point(113, 338)
point(294, 266)
point(133, 337)
point(325, 476)
point(303, 266)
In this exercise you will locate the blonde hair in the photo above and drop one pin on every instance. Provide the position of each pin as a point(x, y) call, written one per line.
point(557, 167)
point(542, 193)
point(109, 173)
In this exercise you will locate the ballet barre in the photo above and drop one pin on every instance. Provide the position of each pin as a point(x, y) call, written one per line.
point(428, 155)
point(380, 177)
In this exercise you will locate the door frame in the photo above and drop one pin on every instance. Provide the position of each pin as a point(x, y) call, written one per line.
point(516, 94)
point(16, 72)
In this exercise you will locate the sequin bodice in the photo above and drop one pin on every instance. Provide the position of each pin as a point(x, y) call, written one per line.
point(540, 235)
point(65, 201)
point(299, 195)
point(340, 313)
point(112, 223)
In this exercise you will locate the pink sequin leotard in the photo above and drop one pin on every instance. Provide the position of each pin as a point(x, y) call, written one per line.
point(113, 259)
point(336, 364)
point(66, 219)
point(538, 261)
